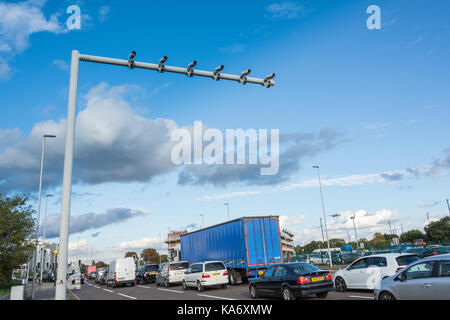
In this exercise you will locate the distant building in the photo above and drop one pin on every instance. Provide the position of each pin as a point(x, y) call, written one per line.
point(287, 244)
point(173, 245)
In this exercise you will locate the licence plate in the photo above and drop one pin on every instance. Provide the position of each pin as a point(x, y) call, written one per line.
point(153, 273)
point(121, 279)
point(260, 272)
point(216, 274)
point(317, 279)
point(179, 273)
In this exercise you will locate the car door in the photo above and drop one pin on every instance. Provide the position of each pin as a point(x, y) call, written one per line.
point(274, 284)
point(356, 275)
point(441, 284)
point(376, 268)
point(416, 283)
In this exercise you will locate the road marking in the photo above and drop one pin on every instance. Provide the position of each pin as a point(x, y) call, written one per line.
point(215, 297)
point(108, 290)
point(124, 295)
point(78, 298)
point(171, 290)
point(364, 297)
point(96, 287)
point(143, 287)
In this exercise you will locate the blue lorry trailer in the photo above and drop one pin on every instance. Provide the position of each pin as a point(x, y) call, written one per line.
point(247, 246)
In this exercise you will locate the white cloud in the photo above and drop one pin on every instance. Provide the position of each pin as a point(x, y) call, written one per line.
point(103, 13)
point(149, 242)
point(290, 222)
point(60, 64)
point(286, 9)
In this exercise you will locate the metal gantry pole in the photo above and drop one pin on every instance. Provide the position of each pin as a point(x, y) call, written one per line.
point(323, 239)
point(324, 216)
point(39, 212)
point(448, 206)
point(60, 293)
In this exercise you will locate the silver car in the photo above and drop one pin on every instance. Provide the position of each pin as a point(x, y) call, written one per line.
point(425, 279)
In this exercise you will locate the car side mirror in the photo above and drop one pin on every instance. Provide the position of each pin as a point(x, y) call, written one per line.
point(401, 277)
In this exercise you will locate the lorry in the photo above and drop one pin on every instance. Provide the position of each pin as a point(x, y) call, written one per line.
point(90, 269)
point(247, 246)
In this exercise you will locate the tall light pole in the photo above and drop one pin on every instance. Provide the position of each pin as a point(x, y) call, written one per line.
point(45, 136)
point(160, 247)
point(228, 209)
point(429, 225)
point(354, 227)
point(203, 221)
point(448, 206)
point(323, 239)
point(43, 234)
point(267, 82)
point(324, 215)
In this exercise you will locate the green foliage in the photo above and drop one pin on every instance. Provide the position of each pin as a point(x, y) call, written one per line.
point(16, 229)
point(150, 255)
point(101, 264)
point(164, 258)
point(411, 235)
point(130, 254)
point(438, 230)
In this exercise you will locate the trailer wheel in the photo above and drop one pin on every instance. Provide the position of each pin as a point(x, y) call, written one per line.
point(232, 277)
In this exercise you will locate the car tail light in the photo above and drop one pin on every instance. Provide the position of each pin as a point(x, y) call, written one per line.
point(205, 275)
point(225, 273)
point(328, 277)
point(249, 273)
point(302, 280)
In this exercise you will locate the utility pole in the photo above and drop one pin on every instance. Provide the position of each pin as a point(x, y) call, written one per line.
point(160, 247)
point(390, 229)
point(267, 82)
point(348, 236)
point(429, 226)
point(323, 239)
point(228, 210)
point(324, 215)
point(43, 234)
point(401, 226)
point(39, 212)
point(448, 206)
point(354, 227)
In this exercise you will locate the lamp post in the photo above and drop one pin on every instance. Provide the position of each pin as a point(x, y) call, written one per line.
point(203, 221)
point(39, 211)
point(429, 226)
point(228, 209)
point(43, 234)
point(267, 82)
point(448, 206)
point(354, 227)
point(323, 239)
point(324, 216)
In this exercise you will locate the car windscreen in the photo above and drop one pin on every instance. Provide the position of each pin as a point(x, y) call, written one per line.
point(151, 268)
point(303, 267)
point(214, 266)
point(179, 266)
point(405, 260)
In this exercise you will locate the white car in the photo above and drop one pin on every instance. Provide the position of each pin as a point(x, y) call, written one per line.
point(206, 274)
point(366, 272)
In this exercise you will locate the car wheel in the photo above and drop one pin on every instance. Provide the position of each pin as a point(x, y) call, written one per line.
point(184, 285)
point(200, 288)
point(166, 283)
point(224, 286)
point(322, 295)
point(287, 294)
point(340, 284)
point(386, 296)
point(253, 292)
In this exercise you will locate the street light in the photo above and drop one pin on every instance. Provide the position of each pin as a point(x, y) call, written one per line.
point(203, 221)
point(43, 234)
point(429, 226)
point(228, 209)
point(354, 226)
point(323, 239)
point(448, 206)
point(324, 215)
point(39, 211)
point(61, 285)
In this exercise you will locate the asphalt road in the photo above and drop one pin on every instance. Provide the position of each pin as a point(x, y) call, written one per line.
point(92, 291)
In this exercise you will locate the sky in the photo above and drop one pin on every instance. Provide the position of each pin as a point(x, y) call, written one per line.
point(369, 106)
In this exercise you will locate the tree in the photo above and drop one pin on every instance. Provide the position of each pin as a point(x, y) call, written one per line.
point(336, 243)
point(16, 230)
point(101, 264)
point(164, 258)
point(411, 235)
point(130, 254)
point(150, 255)
point(438, 230)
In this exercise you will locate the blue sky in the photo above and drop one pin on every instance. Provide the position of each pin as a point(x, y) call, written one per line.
point(373, 103)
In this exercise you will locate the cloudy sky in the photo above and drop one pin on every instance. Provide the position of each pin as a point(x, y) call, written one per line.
point(371, 107)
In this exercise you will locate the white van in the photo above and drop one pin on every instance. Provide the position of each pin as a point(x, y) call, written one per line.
point(122, 271)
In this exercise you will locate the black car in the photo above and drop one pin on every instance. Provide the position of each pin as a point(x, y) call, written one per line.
point(292, 280)
point(147, 273)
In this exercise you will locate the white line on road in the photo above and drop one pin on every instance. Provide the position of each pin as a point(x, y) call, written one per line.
point(96, 287)
point(171, 290)
point(108, 290)
point(364, 297)
point(215, 297)
point(124, 295)
point(143, 287)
